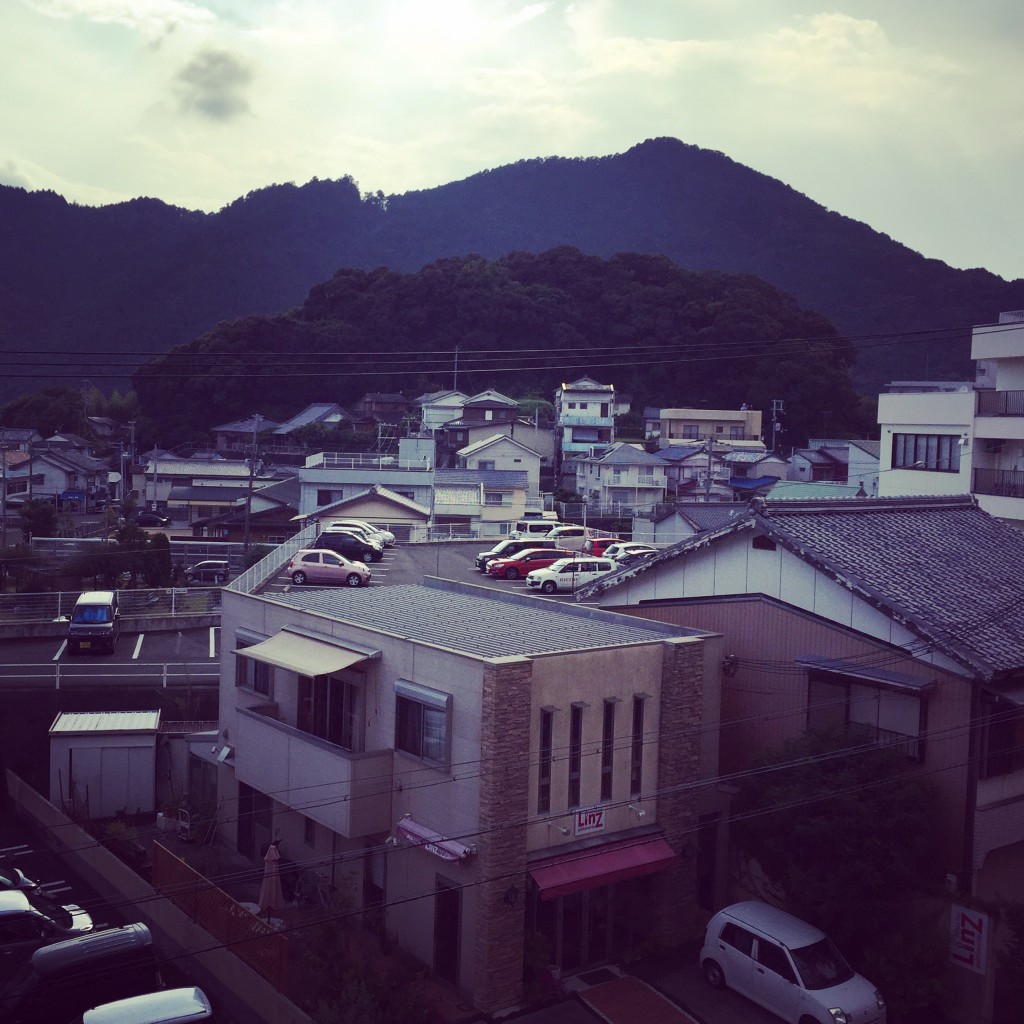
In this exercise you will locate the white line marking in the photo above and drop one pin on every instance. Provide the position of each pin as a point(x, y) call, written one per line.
point(213, 640)
point(60, 651)
point(138, 647)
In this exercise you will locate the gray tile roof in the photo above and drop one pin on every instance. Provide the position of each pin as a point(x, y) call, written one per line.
point(951, 572)
point(626, 455)
point(475, 620)
point(513, 478)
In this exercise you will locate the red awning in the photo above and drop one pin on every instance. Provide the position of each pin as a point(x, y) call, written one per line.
point(601, 865)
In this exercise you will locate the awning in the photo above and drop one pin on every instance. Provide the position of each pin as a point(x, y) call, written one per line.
point(601, 865)
point(304, 655)
point(868, 673)
point(433, 842)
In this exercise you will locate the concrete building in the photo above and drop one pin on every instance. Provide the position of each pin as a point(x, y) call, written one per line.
point(584, 418)
point(683, 426)
point(508, 780)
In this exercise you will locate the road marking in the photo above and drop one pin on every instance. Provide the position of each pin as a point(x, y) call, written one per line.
point(138, 647)
point(60, 651)
point(213, 640)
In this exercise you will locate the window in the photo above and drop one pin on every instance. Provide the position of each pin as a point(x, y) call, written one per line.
point(738, 938)
point(325, 497)
point(308, 831)
point(892, 718)
point(250, 673)
point(547, 725)
point(485, 464)
point(607, 749)
point(636, 757)
point(497, 498)
point(1002, 738)
point(329, 708)
point(422, 721)
point(691, 430)
point(939, 453)
point(575, 753)
point(774, 958)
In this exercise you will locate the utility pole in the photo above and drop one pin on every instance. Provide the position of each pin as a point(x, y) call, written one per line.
point(3, 507)
point(777, 410)
point(256, 420)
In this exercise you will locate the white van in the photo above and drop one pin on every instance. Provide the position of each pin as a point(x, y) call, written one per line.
point(569, 574)
point(95, 622)
point(532, 528)
point(787, 966)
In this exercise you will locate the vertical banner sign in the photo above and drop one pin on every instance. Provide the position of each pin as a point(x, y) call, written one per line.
point(968, 938)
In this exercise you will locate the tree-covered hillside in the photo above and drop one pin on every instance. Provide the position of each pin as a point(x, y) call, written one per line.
point(520, 324)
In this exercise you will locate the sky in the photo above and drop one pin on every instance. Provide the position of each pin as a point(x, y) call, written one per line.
point(907, 115)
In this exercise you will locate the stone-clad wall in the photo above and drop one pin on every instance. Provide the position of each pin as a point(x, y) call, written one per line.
point(682, 695)
point(501, 849)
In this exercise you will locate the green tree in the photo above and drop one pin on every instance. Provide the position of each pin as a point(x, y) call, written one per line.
point(38, 519)
point(847, 833)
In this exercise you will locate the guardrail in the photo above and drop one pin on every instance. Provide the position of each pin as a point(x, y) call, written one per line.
point(59, 606)
point(133, 673)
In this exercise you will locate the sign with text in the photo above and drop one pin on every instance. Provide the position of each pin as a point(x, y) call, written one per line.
point(589, 821)
point(968, 938)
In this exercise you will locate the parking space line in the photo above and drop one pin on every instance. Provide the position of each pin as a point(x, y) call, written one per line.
point(214, 630)
point(138, 647)
point(60, 651)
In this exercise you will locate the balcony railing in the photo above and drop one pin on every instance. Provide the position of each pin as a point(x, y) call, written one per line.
point(1007, 483)
point(1001, 403)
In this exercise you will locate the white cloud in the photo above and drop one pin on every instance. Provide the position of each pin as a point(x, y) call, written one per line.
point(150, 17)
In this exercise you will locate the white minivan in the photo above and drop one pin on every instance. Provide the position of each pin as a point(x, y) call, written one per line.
point(568, 574)
point(787, 966)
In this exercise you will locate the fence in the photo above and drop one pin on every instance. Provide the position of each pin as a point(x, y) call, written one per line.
point(251, 939)
point(50, 607)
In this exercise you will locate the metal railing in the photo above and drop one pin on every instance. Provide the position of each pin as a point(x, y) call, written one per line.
point(268, 566)
point(1007, 483)
point(127, 673)
point(1000, 403)
point(53, 607)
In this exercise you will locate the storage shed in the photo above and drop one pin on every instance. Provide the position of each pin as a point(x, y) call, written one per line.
point(103, 763)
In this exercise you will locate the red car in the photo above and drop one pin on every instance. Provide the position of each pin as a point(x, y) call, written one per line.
point(520, 564)
point(596, 545)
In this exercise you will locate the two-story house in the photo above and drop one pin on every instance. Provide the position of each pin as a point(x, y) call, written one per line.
point(900, 616)
point(500, 451)
point(436, 408)
point(621, 476)
point(498, 775)
point(684, 426)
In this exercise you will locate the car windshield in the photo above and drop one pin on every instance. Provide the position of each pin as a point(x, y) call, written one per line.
point(821, 965)
point(92, 613)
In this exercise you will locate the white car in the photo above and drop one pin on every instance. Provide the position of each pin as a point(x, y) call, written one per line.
point(568, 574)
point(627, 547)
point(385, 537)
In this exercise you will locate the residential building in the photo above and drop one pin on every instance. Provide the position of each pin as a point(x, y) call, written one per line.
point(898, 617)
point(67, 477)
point(381, 407)
point(270, 517)
point(242, 435)
point(494, 775)
point(436, 408)
point(154, 481)
point(584, 419)
point(621, 475)
point(682, 426)
point(401, 515)
point(840, 461)
point(483, 502)
point(499, 451)
point(326, 415)
point(671, 523)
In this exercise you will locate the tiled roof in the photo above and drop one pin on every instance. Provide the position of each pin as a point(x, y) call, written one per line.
point(508, 478)
point(951, 572)
point(475, 620)
point(622, 454)
point(872, 448)
point(316, 412)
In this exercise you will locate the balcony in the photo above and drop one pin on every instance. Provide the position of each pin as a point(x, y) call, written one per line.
point(345, 792)
point(1001, 403)
point(1006, 483)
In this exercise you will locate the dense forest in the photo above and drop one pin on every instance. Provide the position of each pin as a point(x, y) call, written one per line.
point(520, 324)
point(94, 292)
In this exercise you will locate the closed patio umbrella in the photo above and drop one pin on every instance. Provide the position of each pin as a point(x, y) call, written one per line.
point(271, 897)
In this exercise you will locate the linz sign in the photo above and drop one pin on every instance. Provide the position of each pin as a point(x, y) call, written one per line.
point(589, 821)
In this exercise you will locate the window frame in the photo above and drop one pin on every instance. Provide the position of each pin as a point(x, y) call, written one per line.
point(608, 748)
point(575, 775)
point(416, 707)
point(936, 453)
point(545, 758)
point(636, 752)
point(251, 674)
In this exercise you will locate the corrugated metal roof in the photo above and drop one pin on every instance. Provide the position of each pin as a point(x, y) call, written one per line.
point(105, 721)
point(474, 620)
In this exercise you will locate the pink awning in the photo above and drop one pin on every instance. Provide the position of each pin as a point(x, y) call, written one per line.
point(601, 865)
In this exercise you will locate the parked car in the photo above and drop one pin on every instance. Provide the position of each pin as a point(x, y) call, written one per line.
point(787, 966)
point(631, 558)
point(150, 519)
point(569, 574)
point(627, 547)
point(536, 528)
point(386, 537)
point(171, 1006)
point(213, 570)
point(95, 622)
point(13, 878)
point(357, 549)
point(322, 566)
point(523, 562)
point(598, 545)
point(508, 548)
point(67, 978)
point(28, 921)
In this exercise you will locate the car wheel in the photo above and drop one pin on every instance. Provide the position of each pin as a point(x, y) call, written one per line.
point(511, 574)
point(298, 578)
point(549, 586)
point(713, 974)
point(353, 579)
point(374, 556)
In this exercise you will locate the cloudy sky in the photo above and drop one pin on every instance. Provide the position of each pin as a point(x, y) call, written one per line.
point(905, 114)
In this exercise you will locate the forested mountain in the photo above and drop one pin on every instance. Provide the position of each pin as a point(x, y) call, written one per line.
point(137, 278)
point(521, 324)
